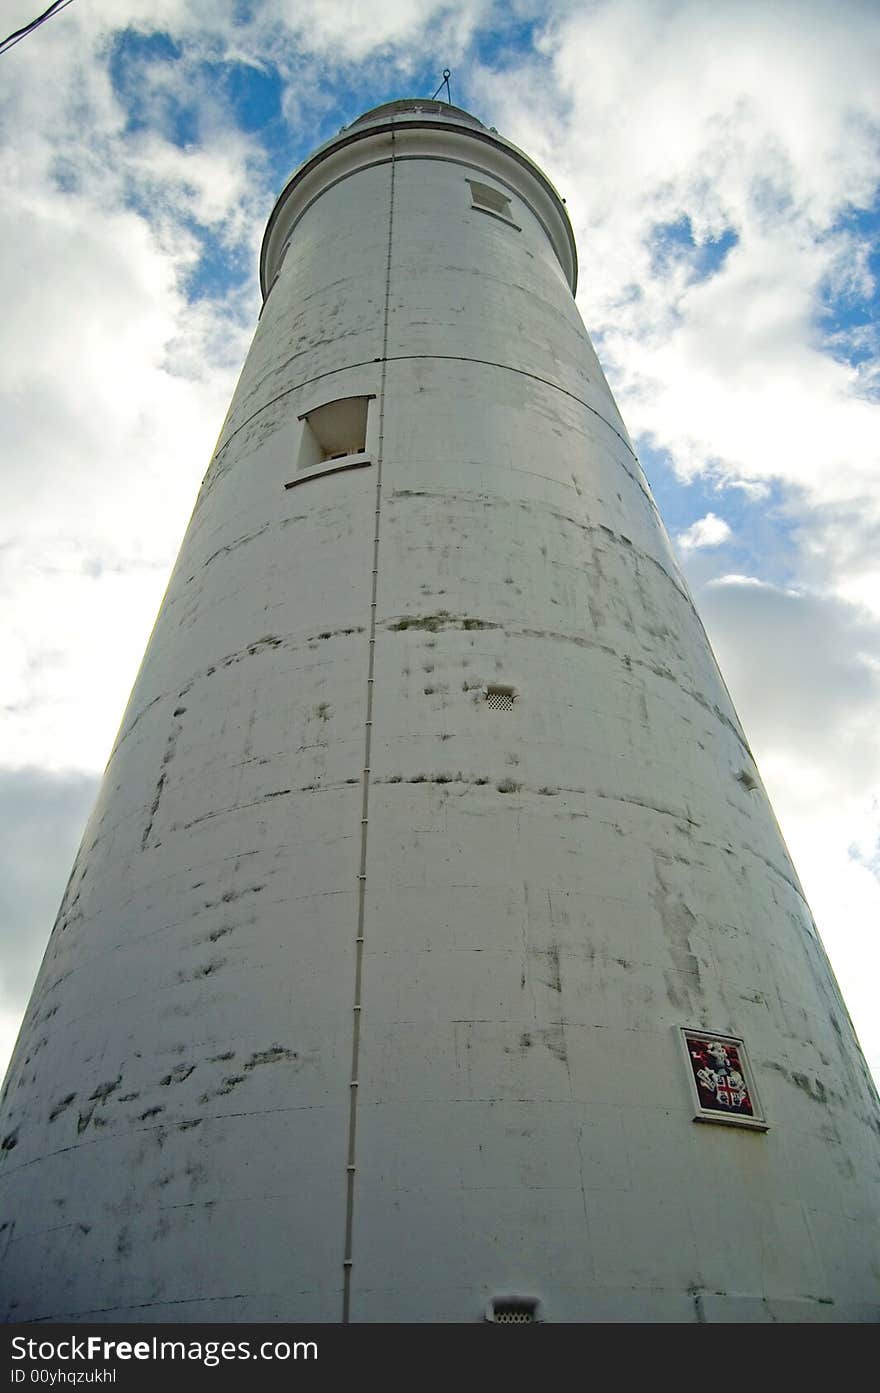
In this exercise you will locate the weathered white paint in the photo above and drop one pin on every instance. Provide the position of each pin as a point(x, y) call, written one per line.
point(548, 894)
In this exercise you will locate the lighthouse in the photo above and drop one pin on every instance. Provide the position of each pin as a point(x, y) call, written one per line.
point(432, 953)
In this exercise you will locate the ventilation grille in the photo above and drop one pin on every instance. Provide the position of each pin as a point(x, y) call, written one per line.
point(514, 1315)
point(499, 699)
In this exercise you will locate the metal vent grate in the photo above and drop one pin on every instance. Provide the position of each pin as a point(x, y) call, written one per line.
point(514, 1315)
point(499, 699)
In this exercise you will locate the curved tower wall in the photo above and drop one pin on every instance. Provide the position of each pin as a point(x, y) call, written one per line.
point(429, 825)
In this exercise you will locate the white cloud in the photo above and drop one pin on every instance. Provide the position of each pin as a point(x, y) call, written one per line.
point(735, 578)
point(113, 389)
point(42, 816)
point(645, 112)
point(709, 531)
point(804, 673)
point(350, 30)
point(106, 444)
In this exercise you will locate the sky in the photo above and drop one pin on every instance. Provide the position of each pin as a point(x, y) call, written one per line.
point(721, 166)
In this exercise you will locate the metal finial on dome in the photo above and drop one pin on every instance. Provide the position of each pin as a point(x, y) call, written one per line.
point(445, 83)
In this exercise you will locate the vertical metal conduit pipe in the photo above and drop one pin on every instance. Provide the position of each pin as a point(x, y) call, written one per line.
point(351, 1166)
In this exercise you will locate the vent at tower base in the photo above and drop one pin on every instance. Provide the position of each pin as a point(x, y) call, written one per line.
point(432, 936)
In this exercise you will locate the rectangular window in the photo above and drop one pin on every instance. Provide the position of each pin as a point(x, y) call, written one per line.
point(334, 432)
point(334, 437)
point(490, 200)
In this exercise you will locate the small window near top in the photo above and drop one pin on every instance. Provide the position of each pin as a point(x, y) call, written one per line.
point(334, 432)
point(489, 200)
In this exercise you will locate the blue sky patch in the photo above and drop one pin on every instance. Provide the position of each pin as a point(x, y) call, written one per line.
point(251, 95)
point(674, 242)
point(143, 83)
point(762, 543)
point(134, 62)
point(504, 45)
point(850, 319)
point(219, 270)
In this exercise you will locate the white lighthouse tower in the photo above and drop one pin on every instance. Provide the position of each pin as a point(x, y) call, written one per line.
point(432, 953)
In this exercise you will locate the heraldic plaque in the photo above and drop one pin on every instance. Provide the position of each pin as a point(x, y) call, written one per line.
point(722, 1082)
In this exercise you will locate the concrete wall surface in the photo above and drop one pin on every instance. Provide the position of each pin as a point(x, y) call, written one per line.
point(366, 994)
